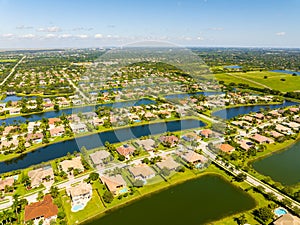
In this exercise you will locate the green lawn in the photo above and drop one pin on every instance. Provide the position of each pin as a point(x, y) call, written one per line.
point(93, 208)
point(291, 83)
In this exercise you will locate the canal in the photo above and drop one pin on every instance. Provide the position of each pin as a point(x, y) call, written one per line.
point(61, 149)
point(242, 110)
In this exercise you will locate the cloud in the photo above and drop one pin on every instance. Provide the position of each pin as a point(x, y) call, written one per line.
point(49, 29)
point(7, 35)
point(23, 27)
point(82, 36)
point(98, 36)
point(50, 36)
point(65, 36)
point(282, 33)
point(200, 38)
point(28, 36)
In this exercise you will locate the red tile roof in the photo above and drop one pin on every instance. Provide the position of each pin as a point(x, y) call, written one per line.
point(45, 208)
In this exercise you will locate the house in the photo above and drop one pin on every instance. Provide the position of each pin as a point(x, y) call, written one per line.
point(52, 121)
point(35, 138)
point(9, 181)
point(48, 106)
point(74, 163)
point(227, 148)
point(287, 219)
point(9, 129)
point(194, 158)
point(281, 128)
point(261, 139)
point(294, 110)
point(206, 133)
point(14, 111)
point(275, 134)
point(78, 127)
point(246, 145)
point(125, 150)
point(98, 157)
point(142, 172)
point(259, 116)
point(293, 125)
point(168, 163)
point(80, 194)
point(148, 144)
point(170, 141)
point(97, 121)
point(57, 131)
point(44, 209)
point(248, 118)
point(191, 136)
point(38, 176)
point(115, 184)
point(32, 125)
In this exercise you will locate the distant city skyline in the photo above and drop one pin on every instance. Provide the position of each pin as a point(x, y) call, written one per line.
point(92, 23)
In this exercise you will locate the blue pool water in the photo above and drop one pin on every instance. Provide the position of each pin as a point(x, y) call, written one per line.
point(286, 71)
point(76, 208)
point(124, 190)
point(280, 211)
point(233, 67)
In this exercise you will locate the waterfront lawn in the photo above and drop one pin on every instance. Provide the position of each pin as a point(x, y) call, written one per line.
point(93, 207)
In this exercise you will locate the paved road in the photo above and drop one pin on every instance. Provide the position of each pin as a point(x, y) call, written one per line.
point(12, 71)
point(76, 88)
point(7, 204)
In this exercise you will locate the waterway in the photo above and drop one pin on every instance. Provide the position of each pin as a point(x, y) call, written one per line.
point(242, 110)
point(286, 71)
point(51, 114)
point(194, 202)
point(61, 149)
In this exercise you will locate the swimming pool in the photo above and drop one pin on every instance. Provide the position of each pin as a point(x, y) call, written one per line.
point(76, 208)
point(122, 191)
point(280, 211)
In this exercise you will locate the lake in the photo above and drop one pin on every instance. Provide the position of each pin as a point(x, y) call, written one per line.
point(285, 71)
point(241, 110)
point(194, 202)
point(61, 149)
point(283, 166)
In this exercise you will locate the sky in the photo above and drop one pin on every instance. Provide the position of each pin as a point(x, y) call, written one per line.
point(100, 23)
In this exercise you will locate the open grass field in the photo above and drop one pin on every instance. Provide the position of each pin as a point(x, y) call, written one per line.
point(8, 60)
point(257, 79)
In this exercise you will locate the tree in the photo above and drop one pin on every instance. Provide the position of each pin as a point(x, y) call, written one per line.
point(138, 183)
point(108, 197)
point(146, 161)
point(93, 176)
point(54, 191)
point(165, 172)
point(40, 195)
point(241, 220)
point(241, 177)
point(264, 213)
point(122, 157)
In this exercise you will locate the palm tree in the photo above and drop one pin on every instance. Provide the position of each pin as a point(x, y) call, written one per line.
point(16, 205)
